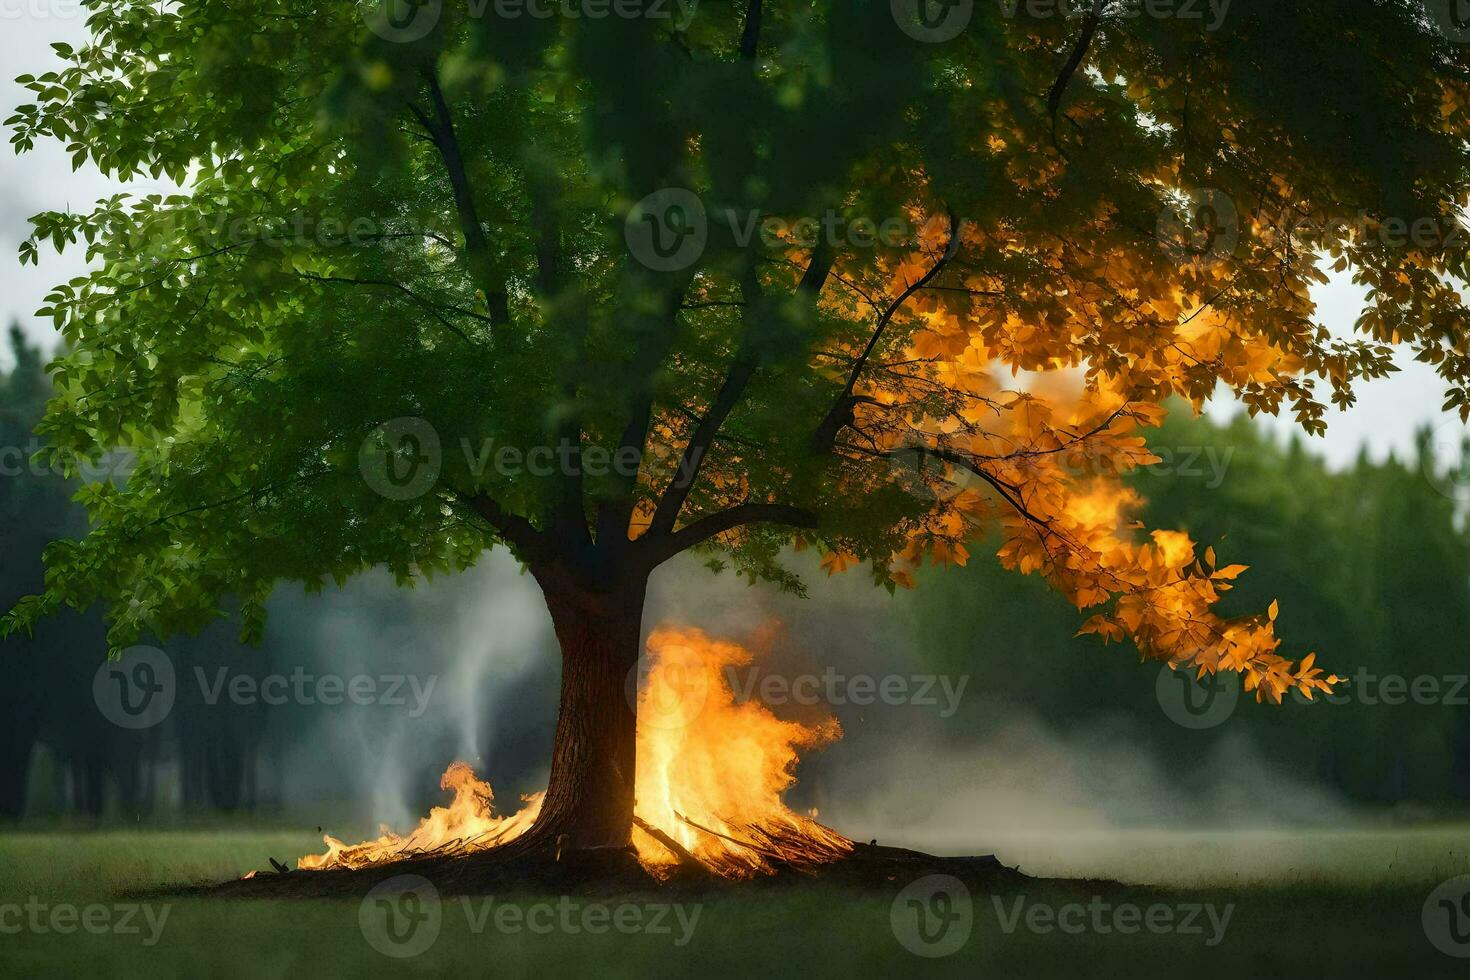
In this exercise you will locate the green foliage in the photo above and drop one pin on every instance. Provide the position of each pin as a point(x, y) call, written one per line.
point(434, 229)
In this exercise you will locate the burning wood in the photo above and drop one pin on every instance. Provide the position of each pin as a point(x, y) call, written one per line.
point(711, 774)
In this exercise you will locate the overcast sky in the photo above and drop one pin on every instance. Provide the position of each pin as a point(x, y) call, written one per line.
point(1385, 418)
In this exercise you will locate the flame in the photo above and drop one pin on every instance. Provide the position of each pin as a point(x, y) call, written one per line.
point(711, 772)
point(711, 769)
point(467, 824)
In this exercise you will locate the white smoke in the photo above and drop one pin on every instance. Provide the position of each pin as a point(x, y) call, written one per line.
point(1052, 799)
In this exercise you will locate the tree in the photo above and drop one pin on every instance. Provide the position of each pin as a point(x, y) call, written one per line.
point(750, 275)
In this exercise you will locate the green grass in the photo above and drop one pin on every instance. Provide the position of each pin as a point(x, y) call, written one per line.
point(1349, 905)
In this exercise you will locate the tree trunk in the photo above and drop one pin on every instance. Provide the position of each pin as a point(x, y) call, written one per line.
point(589, 797)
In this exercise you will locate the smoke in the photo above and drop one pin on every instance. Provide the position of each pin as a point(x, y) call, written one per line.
point(471, 641)
point(1067, 803)
point(1059, 796)
point(1052, 794)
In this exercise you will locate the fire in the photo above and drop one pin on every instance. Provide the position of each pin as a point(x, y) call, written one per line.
point(711, 769)
point(711, 773)
point(467, 824)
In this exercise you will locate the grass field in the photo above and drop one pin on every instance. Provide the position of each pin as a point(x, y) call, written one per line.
point(1340, 904)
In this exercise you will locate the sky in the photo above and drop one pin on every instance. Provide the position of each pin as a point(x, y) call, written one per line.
point(1388, 413)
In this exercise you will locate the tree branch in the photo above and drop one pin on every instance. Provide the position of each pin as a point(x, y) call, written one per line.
point(431, 308)
point(515, 529)
point(1079, 53)
point(840, 414)
point(655, 552)
point(747, 363)
point(615, 513)
point(441, 129)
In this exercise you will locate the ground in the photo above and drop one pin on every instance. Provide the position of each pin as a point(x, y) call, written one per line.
point(1302, 904)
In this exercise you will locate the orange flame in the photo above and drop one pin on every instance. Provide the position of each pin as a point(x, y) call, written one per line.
point(711, 771)
point(466, 824)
